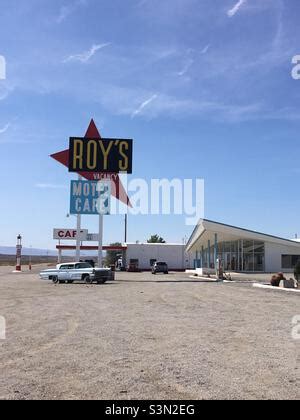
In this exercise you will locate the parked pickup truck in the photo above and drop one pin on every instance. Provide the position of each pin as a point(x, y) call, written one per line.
point(81, 271)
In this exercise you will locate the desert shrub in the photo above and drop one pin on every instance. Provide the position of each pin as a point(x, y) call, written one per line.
point(275, 282)
point(276, 279)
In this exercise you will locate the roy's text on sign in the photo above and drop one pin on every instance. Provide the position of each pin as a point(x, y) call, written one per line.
point(100, 155)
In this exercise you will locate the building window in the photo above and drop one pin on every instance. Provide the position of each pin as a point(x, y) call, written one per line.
point(289, 262)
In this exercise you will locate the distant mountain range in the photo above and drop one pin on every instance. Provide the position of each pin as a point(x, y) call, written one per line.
point(11, 250)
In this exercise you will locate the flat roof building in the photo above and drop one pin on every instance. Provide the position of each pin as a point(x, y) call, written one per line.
point(145, 255)
point(240, 250)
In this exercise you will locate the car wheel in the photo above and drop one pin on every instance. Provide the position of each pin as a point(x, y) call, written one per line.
point(101, 281)
point(70, 282)
point(88, 280)
point(55, 280)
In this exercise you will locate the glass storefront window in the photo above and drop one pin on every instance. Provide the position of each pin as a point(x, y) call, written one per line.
point(227, 246)
point(259, 262)
point(259, 247)
point(248, 246)
point(234, 247)
point(240, 255)
point(248, 262)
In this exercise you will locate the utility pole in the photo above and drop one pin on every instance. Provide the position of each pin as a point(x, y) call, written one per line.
point(78, 229)
point(30, 258)
point(126, 225)
point(100, 241)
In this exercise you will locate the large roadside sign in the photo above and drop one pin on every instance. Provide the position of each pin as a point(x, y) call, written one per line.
point(90, 197)
point(100, 155)
point(70, 234)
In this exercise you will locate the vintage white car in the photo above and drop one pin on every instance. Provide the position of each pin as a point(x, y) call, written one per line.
point(78, 271)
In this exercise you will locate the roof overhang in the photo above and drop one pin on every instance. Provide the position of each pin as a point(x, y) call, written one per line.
point(206, 230)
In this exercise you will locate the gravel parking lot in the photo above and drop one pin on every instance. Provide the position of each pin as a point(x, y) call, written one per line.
point(146, 337)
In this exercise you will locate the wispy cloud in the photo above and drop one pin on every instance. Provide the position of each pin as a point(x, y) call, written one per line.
point(5, 128)
point(161, 105)
point(205, 49)
point(236, 8)
point(51, 186)
point(67, 10)
point(87, 55)
point(140, 109)
point(219, 89)
point(186, 67)
point(189, 62)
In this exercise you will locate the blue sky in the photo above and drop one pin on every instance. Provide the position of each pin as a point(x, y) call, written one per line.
point(204, 88)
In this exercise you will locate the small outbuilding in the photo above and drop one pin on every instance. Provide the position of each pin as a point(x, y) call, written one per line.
point(145, 255)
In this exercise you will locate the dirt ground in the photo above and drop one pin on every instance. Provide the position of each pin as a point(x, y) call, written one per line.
point(146, 337)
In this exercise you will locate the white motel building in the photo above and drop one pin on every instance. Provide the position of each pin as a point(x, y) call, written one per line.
point(240, 250)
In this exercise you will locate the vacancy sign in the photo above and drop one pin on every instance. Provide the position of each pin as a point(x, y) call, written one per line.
point(100, 155)
point(90, 197)
point(70, 234)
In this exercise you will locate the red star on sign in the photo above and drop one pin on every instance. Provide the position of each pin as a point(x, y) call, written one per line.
point(117, 188)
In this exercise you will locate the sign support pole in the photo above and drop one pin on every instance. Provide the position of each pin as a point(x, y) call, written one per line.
point(100, 242)
point(78, 232)
point(126, 225)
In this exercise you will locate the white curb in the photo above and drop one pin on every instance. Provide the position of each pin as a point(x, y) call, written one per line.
point(265, 286)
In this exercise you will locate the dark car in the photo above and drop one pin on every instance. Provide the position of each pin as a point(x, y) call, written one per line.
point(160, 267)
